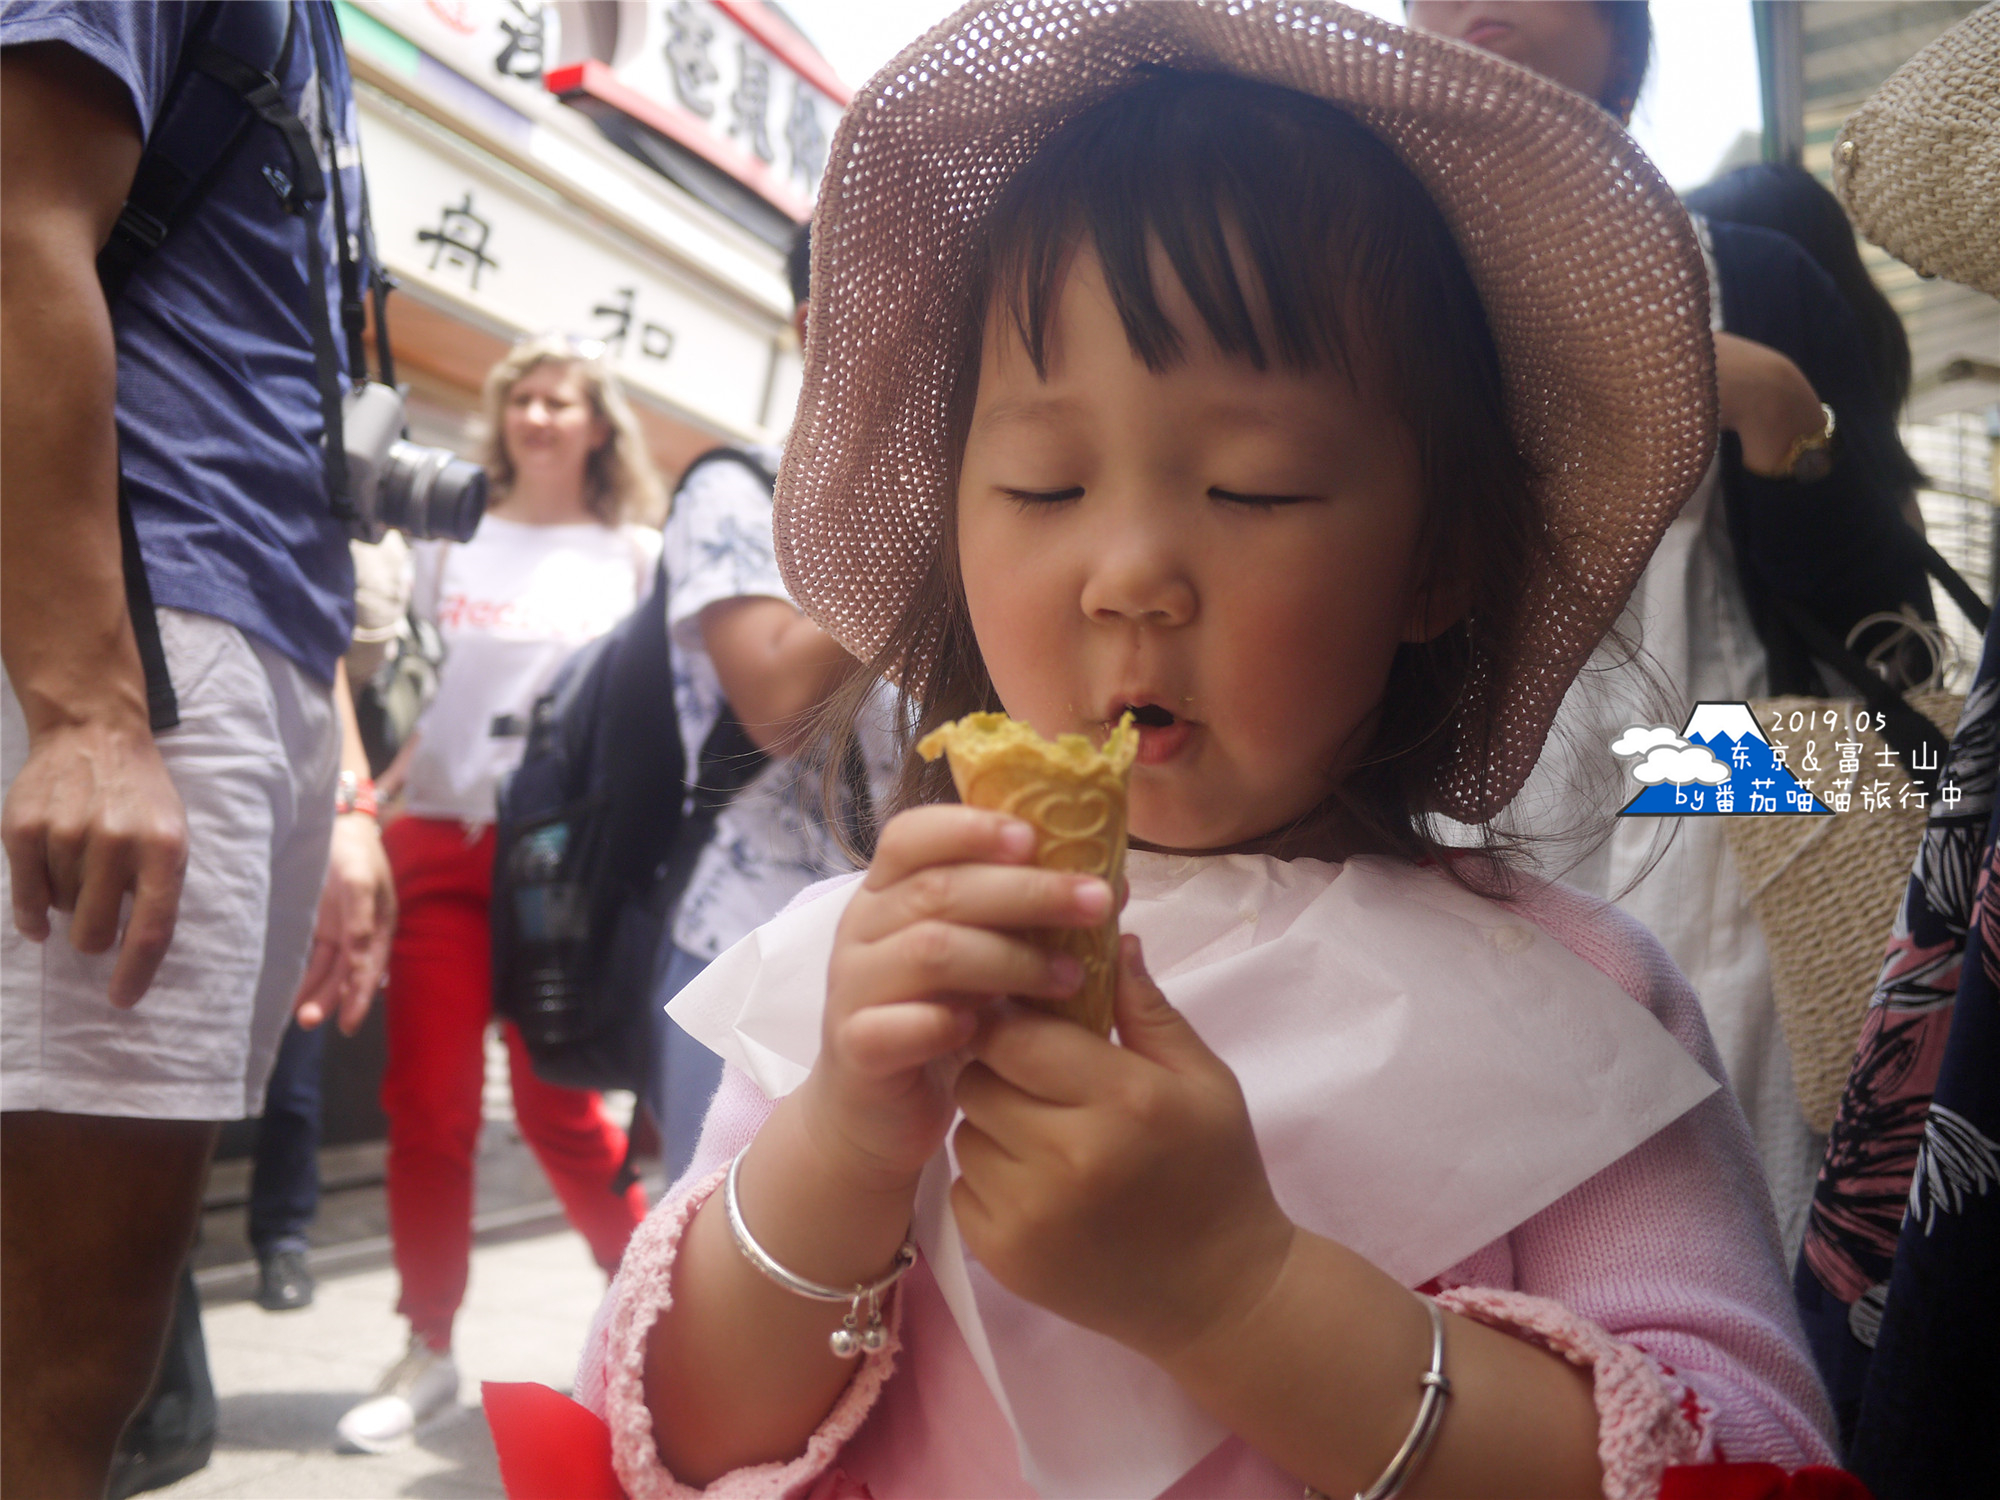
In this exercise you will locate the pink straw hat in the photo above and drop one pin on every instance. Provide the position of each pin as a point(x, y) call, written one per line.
point(1589, 270)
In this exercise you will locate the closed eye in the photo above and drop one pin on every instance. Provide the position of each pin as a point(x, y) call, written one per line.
point(1260, 502)
point(1043, 497)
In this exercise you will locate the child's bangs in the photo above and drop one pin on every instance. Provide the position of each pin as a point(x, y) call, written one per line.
point(1282, 217)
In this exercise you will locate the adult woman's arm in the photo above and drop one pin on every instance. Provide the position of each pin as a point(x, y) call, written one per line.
point(1766, 401)
point(1836, 546)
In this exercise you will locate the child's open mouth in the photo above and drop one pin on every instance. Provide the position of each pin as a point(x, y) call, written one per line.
point(1161, 731)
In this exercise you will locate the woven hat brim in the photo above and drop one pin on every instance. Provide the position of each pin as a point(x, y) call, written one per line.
point(1590, 272)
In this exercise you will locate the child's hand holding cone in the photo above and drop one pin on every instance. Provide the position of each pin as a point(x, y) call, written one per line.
point(1073, 794)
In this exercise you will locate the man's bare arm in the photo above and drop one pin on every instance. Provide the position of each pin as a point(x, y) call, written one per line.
point(92, 816)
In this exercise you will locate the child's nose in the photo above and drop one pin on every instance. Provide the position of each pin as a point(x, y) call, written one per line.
point(1138, 577)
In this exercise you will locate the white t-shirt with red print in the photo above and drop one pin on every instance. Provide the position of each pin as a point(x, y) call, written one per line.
point(512, 605)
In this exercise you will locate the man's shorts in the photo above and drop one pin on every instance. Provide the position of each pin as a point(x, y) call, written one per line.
point(255, 759)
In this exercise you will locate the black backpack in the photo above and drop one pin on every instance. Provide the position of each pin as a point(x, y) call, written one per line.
point(598, 831)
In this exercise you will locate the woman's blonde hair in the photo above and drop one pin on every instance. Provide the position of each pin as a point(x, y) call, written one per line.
point(620, 483)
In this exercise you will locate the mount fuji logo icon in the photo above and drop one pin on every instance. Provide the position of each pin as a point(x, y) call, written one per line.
point(1719, 764)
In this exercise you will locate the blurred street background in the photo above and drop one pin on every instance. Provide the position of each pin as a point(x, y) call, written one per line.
point(283, 1379)
point(507, 137)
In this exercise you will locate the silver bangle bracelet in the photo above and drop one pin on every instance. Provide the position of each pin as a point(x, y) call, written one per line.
point(1430, 1414)
point(854, 1336)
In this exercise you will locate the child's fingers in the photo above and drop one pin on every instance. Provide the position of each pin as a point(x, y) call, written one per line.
point(1147, 1023)
point(993, 1183)
point(947, 835)
point(888, 1039)
point(969, 1208)
point(932, 958)
point(976, 1147)
point(984, 895)
point(1054, 1061)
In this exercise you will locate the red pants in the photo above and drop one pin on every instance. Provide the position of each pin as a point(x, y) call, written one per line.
point(440, 1001)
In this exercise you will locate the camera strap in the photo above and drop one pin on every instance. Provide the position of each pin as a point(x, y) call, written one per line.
point(353, 317)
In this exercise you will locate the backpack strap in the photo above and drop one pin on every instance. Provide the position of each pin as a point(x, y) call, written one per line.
point(239, 49)
point(186, 151)
point(163, 708)
point(729, 759)
point(261, 93)
point(1949, 578)
point(1909, 732)
point(353, 316)
point(729, 762)
point(191, 141)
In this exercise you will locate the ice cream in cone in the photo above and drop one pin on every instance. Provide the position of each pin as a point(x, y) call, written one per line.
point(1073, 793)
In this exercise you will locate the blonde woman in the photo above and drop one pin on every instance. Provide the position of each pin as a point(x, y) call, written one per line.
point(561, 556)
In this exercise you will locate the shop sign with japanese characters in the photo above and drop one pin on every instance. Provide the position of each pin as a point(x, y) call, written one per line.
point(723, 89)
point(727, 79)
point(505, 41)
point(518, 39)
point(474, 234)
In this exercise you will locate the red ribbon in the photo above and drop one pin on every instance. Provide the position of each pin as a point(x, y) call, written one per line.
point(550, 1448)
point(1759, 1482)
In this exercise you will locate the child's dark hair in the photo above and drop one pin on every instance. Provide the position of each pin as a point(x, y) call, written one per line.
point(1630, 23)
point(1302, 241)
point(798, 265)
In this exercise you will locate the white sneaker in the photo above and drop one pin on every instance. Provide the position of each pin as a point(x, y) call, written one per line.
point(418, 1386)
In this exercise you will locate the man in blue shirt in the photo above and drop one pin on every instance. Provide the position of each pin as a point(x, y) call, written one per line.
point(207, 844)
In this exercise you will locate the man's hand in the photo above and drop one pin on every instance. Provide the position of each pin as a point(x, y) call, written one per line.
point(91, 816)
point(357, 917)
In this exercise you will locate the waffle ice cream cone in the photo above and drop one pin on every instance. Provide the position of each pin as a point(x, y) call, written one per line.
point(1074, 795)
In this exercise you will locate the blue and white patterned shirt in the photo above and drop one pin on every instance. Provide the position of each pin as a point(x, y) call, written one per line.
point(772, 841)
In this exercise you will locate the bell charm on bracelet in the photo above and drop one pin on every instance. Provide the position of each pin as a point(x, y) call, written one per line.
point(852, 1337)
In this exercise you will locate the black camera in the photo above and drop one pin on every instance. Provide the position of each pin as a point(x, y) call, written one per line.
point(422, 492)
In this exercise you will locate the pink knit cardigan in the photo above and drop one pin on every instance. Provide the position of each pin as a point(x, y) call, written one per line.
point(1661, 1275)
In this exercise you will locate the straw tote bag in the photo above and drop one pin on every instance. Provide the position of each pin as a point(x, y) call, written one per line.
point(1826, 890)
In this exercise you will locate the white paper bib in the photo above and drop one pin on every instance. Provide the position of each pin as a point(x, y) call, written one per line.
point(1425, 1071)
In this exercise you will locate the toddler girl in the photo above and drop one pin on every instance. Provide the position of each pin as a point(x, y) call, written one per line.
point(1315, 392)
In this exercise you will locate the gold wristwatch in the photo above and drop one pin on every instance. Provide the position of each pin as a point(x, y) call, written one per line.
point(1811, 456)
